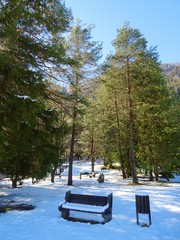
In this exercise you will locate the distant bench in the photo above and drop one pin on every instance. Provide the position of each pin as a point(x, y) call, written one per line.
point(90, 174)
point(87, 203)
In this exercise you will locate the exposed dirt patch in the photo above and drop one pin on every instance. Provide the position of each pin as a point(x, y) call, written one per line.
point(19, 207)
point(8, 202)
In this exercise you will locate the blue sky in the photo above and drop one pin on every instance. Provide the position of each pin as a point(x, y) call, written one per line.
point(157, 20)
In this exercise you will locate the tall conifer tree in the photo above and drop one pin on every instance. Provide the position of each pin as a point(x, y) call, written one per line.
point(27, 54)
point(86, 53)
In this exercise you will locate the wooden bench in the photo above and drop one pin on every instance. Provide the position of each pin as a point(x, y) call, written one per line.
point(101, 205)
point(90, 174)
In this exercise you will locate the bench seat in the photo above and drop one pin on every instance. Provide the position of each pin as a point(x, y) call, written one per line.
point(85, 208)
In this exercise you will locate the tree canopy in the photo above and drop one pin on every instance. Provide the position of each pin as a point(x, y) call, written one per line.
point(58, 102)
point(28, 55)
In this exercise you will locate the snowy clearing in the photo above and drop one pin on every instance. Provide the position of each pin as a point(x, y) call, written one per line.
point(45, 222)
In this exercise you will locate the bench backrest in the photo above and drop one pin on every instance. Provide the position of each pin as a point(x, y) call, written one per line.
point(89, 199)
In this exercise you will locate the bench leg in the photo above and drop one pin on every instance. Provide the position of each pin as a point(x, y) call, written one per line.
point(137, 217)
point(65, 213)
point(107, 217)
point(150, 219)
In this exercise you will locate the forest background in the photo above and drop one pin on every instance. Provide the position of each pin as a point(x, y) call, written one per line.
point(57, 103)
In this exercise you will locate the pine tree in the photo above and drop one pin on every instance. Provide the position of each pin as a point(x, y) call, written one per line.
point(89, 137)
point(117, 114)
point(129, 44)
point(85, 53)
point(27, 55)
point(156, 116)
point(147, 101)
point(138, 104)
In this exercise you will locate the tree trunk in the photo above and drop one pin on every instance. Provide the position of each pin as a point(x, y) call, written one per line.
point(156, 171)
point(119, 141)
point(70, 181)
point(131, 126)
point(14, 182)
point(151, 175)
point(92, 150)
point(53, 174)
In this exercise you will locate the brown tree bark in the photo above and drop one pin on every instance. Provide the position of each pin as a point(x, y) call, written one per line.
point(71, 155)
point(131, 126)
point(119, 141)
point(92, 151)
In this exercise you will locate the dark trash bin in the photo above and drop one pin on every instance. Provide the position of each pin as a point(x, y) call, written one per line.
point(143, 207)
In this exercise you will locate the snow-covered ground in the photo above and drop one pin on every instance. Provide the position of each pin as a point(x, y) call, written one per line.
point(45, 223)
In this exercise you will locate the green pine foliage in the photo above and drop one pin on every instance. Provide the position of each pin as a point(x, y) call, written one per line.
point(139, 114)
point(27, 56)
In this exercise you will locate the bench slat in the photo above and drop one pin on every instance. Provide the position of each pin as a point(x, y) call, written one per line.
point(85, 208)
point(87, 199)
